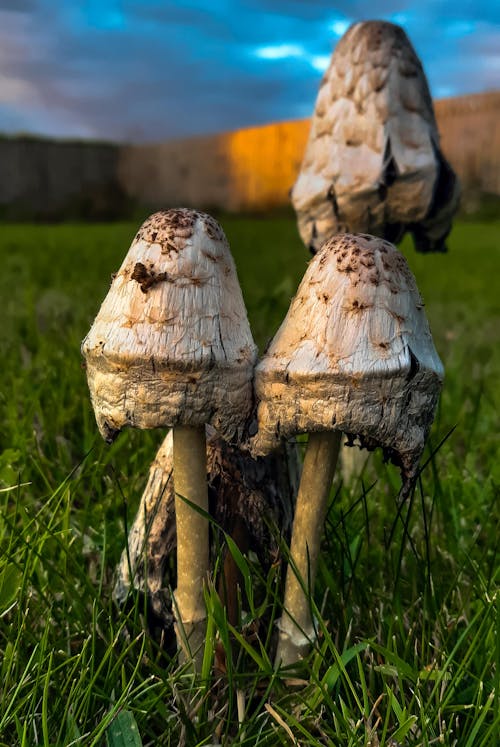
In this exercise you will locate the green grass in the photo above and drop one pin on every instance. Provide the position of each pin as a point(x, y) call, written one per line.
point(407, 603)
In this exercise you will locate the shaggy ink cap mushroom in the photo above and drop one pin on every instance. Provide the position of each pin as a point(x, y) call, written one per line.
point(171, 346)
point(171, 343)
point(354, 354)
point(373, 161)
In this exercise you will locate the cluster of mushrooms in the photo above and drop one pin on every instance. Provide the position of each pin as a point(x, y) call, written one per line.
point(171, 346)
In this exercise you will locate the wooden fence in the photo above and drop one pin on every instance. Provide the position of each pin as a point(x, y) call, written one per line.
point(251, 169)
point(254, 168)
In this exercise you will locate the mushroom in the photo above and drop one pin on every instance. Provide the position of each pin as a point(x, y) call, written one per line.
point(247, 496)
point(373, 161)
point(354, 355)
point(171, 346)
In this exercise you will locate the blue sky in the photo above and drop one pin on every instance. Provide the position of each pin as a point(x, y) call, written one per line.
point(145, 70)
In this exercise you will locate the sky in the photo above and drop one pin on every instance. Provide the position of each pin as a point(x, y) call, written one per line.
point(145, 70)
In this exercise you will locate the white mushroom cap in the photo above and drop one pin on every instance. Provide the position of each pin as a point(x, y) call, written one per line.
point(373, 162)
point(354, 354)
point(171, 343)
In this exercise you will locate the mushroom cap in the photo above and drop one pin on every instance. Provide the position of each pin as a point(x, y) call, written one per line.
point(354, 354)
point(171, 343)
point(373, 162)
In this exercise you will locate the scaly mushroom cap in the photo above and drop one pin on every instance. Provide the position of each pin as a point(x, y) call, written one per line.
point(354, 354)
point(171, 343)
point(373, 162)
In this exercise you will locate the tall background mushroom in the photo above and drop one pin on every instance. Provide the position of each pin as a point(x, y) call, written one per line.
point(373, 162)
point(171, 346)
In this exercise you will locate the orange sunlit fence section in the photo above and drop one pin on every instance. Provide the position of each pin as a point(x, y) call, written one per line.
point(263, 163)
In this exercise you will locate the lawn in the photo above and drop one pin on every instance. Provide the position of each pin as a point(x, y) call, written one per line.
point(408, 603)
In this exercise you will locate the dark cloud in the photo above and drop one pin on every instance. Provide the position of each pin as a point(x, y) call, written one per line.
point(20, 6)
point(147, 70)
point(349, 8)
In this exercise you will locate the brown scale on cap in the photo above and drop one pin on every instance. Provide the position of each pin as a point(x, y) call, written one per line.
point(166, 225)
point(211, 227)
point(368, 259)
point(147, 278)
point(171, 229)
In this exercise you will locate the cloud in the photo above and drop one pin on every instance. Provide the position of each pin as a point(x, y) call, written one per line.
point(17, 6)
point(320, 62)
point(279, 51)
point(14, 90)
point(150, 70)
point(340, 26)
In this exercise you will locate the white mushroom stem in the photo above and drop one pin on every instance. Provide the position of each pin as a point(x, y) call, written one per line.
point(296, 625)
point(190, 481)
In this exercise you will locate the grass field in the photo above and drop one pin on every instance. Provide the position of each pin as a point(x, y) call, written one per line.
point(408, 606)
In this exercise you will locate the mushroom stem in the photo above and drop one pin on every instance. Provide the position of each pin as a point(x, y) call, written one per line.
point(296, 625)
point(190, 481)
point(353, 462)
